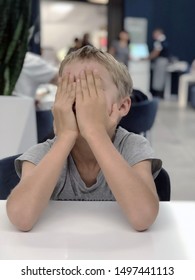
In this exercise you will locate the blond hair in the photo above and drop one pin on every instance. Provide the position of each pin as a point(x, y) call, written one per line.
point(118, 71)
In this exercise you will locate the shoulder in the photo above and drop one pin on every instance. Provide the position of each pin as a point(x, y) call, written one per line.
point(32, 59)
point(135, 148)
point(36, 62)
point(33, 154)
point(122, 135)
point(36, 152)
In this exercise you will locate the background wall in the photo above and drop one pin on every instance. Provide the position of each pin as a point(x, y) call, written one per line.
point(62, 21)
point(176, 17)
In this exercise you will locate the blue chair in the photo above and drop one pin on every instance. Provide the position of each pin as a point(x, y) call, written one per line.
point(44, 124)
point(8, 177)
point(141, 116)
point(163, 185)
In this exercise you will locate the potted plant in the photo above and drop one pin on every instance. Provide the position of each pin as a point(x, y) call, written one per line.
point(14, 28)
point(17, 119)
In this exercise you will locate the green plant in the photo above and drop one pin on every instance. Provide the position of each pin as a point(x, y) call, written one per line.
point(14, 26)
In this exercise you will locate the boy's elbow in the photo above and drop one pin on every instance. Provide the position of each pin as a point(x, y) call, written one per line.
point(140, 227)
point(143, 220)
point(20, 224)
point(25, 227)
point(20, 218)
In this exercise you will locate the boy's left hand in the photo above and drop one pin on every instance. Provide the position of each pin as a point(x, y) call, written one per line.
point(91, 107)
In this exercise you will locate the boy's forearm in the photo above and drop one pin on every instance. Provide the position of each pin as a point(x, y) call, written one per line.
point(136, 199)
point(29, 198)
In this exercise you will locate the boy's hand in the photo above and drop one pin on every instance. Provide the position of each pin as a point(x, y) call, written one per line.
point(64, 117)
point(91, 107)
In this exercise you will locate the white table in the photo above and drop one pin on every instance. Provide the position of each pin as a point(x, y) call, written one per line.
point(177, 66)
point(99, 230)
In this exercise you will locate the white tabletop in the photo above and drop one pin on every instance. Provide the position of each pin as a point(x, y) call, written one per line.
point(99, 230)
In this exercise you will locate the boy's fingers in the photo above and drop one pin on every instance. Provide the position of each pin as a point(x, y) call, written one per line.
point(79, 94)
point(115, 113)
point(65, 82)
point(62, 86)
point(59, 82)
point(91, 82)
point(98, 81)
point(59, 86)
point(73, 91)
point(70, 84)
point(84, 85)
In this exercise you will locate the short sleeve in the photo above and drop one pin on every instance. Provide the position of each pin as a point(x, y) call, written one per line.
point(33, 155)
point(136, 148)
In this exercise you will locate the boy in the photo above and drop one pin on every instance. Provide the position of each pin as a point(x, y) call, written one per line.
point(89, 159)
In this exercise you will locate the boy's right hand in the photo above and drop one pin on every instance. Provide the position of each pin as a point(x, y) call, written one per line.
point(64, 117)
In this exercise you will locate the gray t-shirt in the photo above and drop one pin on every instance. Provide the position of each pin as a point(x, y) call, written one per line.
point(134, 148)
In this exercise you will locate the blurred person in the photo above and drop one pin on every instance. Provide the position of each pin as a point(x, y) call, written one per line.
point(35, 71)
point(159, 57)
point(77, 45)
point(89, 158)
point(120, 48)
point(86, 40)
point(160, 45)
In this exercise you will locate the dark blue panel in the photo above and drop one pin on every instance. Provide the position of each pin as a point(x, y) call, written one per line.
point(177, 19)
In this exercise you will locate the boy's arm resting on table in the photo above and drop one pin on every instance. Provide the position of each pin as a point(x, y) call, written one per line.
point(30, 197)
point(133, 187)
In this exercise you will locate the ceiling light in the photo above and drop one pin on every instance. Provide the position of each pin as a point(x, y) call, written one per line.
point(62, 8)
point(99, 1)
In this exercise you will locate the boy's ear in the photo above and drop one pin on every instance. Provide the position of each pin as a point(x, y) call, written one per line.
point(124, 106)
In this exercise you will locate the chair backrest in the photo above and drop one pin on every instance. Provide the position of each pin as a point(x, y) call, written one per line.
point(44, 124)
point(163, 185)
point(141, 116)
point(8, 176)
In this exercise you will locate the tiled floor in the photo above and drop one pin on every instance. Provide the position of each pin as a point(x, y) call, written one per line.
point(173, 139)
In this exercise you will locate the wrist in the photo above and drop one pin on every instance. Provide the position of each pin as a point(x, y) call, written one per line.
point(96, 135)
point(67, 139)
